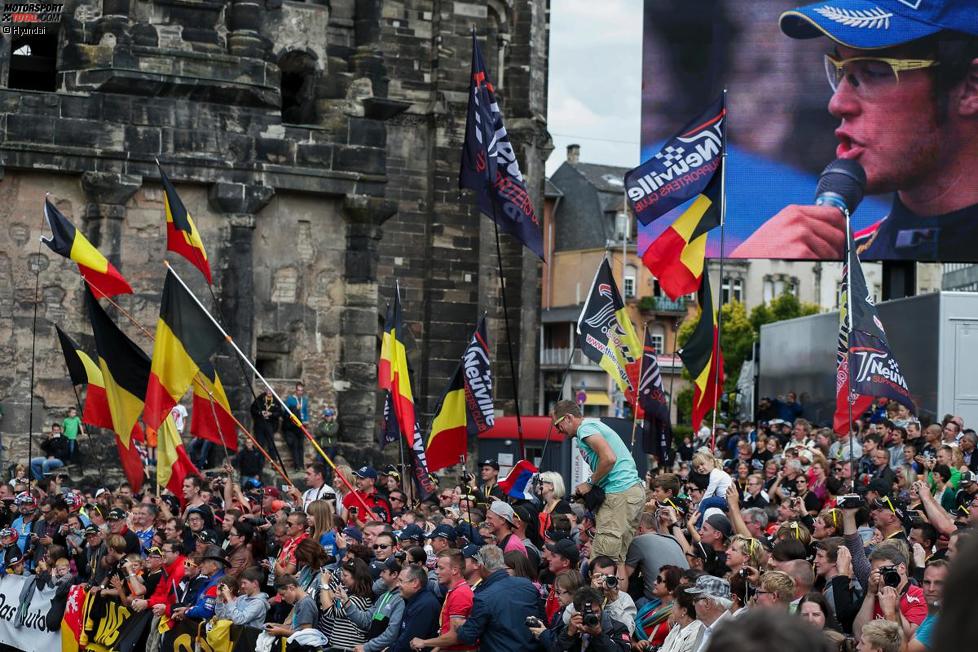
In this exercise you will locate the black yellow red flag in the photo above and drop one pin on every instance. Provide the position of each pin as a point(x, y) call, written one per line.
point(605, 333)
point(466, 407)
point(702, 357)
point(125, 372)
point(84, 371)
point(212, 420)
point(182, 236)
point(102, 276)
point(186, 338)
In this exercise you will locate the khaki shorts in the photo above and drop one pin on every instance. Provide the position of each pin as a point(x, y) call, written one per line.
point(616, 522)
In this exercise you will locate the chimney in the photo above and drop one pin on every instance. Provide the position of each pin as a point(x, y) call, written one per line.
point(573, 153)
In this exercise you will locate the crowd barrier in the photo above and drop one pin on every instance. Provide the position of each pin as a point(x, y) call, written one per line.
point(101, 624)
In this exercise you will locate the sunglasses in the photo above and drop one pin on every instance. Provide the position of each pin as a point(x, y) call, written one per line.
point(380, 546)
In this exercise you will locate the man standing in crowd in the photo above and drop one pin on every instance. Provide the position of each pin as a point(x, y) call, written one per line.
point(613, 471)
point(935, 575)
point(298, 403)
point(489, 473)
point(366, 493)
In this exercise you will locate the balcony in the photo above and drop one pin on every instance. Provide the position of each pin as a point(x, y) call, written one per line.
point(557, 358)
point(662, 305)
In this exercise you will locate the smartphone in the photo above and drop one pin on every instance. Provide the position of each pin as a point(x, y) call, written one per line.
point(284, 488)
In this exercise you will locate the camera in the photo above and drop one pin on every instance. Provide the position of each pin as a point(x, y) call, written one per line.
point(611, 581)
point(590, 618)
point(850, 501)
point(533, 621)
point(890, 576)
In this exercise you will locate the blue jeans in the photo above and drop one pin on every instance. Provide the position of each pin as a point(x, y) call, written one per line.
point(200, 451)
point(42, 465)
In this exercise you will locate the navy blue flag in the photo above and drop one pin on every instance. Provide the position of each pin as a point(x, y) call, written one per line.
point(389, 431)
point(681, 170)
point(657, 430)
point(489, 165)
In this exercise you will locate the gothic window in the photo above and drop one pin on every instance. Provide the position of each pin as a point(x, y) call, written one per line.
point(33, 60)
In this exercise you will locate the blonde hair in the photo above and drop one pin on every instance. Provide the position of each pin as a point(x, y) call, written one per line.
point(794, 530)
point(750, 547)
point(346, 471)
point(886, 635)
point(705, 459)
point(780, 584)
point(556, 480)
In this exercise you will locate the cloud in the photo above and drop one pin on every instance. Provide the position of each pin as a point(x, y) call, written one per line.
point(595, 80)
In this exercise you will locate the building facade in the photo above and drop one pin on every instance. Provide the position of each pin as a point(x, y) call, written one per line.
point(315, 144)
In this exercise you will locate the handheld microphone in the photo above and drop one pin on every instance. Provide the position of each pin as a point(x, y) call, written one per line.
point(841, 184)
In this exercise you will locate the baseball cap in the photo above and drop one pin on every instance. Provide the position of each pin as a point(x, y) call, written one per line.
point(101, 491)
point(566, 548)
point(710, 586)
point(354, 534)
point(721, 524)
point(444, 531)
point(91, 529)
point(154, 552)
point(411, 532)
point(489, 462)
point(206, 536)
point(468, 532)
point(274, 492)
point(503, 510)
point(967, 477)
point(117, 514)
point(472, 552)
point(876, 24)
point(366, 472)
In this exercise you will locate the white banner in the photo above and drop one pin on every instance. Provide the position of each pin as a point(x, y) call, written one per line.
point(34, 634)
point(580, 471)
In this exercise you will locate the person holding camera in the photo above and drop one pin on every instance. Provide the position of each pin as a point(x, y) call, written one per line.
point(616, 603)
point(889, 594)
point(591, 627)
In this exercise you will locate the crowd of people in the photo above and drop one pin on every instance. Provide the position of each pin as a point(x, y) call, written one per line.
point(769, 521)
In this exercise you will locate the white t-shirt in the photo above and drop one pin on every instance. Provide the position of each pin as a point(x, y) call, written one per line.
point(325, 492)
point(179, 414)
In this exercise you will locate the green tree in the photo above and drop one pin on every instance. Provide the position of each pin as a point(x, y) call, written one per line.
point(738, 333)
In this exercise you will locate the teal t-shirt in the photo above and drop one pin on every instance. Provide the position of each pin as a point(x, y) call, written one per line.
point(623, 474)
point(925, 633)
point(69, 427)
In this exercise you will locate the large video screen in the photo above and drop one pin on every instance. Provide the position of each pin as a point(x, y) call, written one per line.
point(785, 124)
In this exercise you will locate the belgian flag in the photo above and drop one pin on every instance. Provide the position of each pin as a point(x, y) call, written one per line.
point(186, 338)
point(222, 430)
point(125, 372)
point(392, 373)
point(84, 371)
point(702, 357)
point(182, 236)
point(102, 276)
point(172, 462)
point(466, 407)
point(449, 429)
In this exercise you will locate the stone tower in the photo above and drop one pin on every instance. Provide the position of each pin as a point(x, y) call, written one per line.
point(316, 145)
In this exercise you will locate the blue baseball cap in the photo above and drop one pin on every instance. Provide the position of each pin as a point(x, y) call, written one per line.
point(411, 532)
point(877, 24)
point(366, 472)
point(444, 531)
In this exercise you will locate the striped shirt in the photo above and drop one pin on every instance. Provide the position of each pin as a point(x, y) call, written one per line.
point(339, 629)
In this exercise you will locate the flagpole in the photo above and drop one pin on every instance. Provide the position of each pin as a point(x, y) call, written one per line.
point(638, 386)
point(509, 337)
point(197, 381)
point(37, 300)
point(848, 264)
point(563, 379)
point(295, 421)
point(217, 423)
point(723, 221)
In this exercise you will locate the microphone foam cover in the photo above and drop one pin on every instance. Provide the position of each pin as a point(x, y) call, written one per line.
point(845, 178)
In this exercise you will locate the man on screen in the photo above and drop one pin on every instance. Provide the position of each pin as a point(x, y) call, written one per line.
point(904, 75)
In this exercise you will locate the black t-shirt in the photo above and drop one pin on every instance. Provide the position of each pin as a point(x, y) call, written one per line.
point(904, 235)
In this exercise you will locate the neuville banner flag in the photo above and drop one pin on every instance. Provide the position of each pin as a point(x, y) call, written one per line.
point(604, 332)
point(466, 408)
point(686, 168)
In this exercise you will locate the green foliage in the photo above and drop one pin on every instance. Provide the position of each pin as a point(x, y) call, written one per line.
point(738, 332)
point(646, 304)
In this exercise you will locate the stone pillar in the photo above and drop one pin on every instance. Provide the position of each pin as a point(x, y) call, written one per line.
point(245, 18)
point(356, 373)
point(108, 194)
point(236, 296)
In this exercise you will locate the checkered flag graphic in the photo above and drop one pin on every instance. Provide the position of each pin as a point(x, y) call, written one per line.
point(669, 155)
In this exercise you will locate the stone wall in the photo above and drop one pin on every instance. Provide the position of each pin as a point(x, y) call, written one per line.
point(293, 132)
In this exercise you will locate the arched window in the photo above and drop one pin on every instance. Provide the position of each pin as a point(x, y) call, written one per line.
point(298, 87)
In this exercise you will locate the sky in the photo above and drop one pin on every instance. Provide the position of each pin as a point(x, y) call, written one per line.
point(595, 80)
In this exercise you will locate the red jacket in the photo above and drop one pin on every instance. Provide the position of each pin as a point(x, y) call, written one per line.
point(165, 592)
